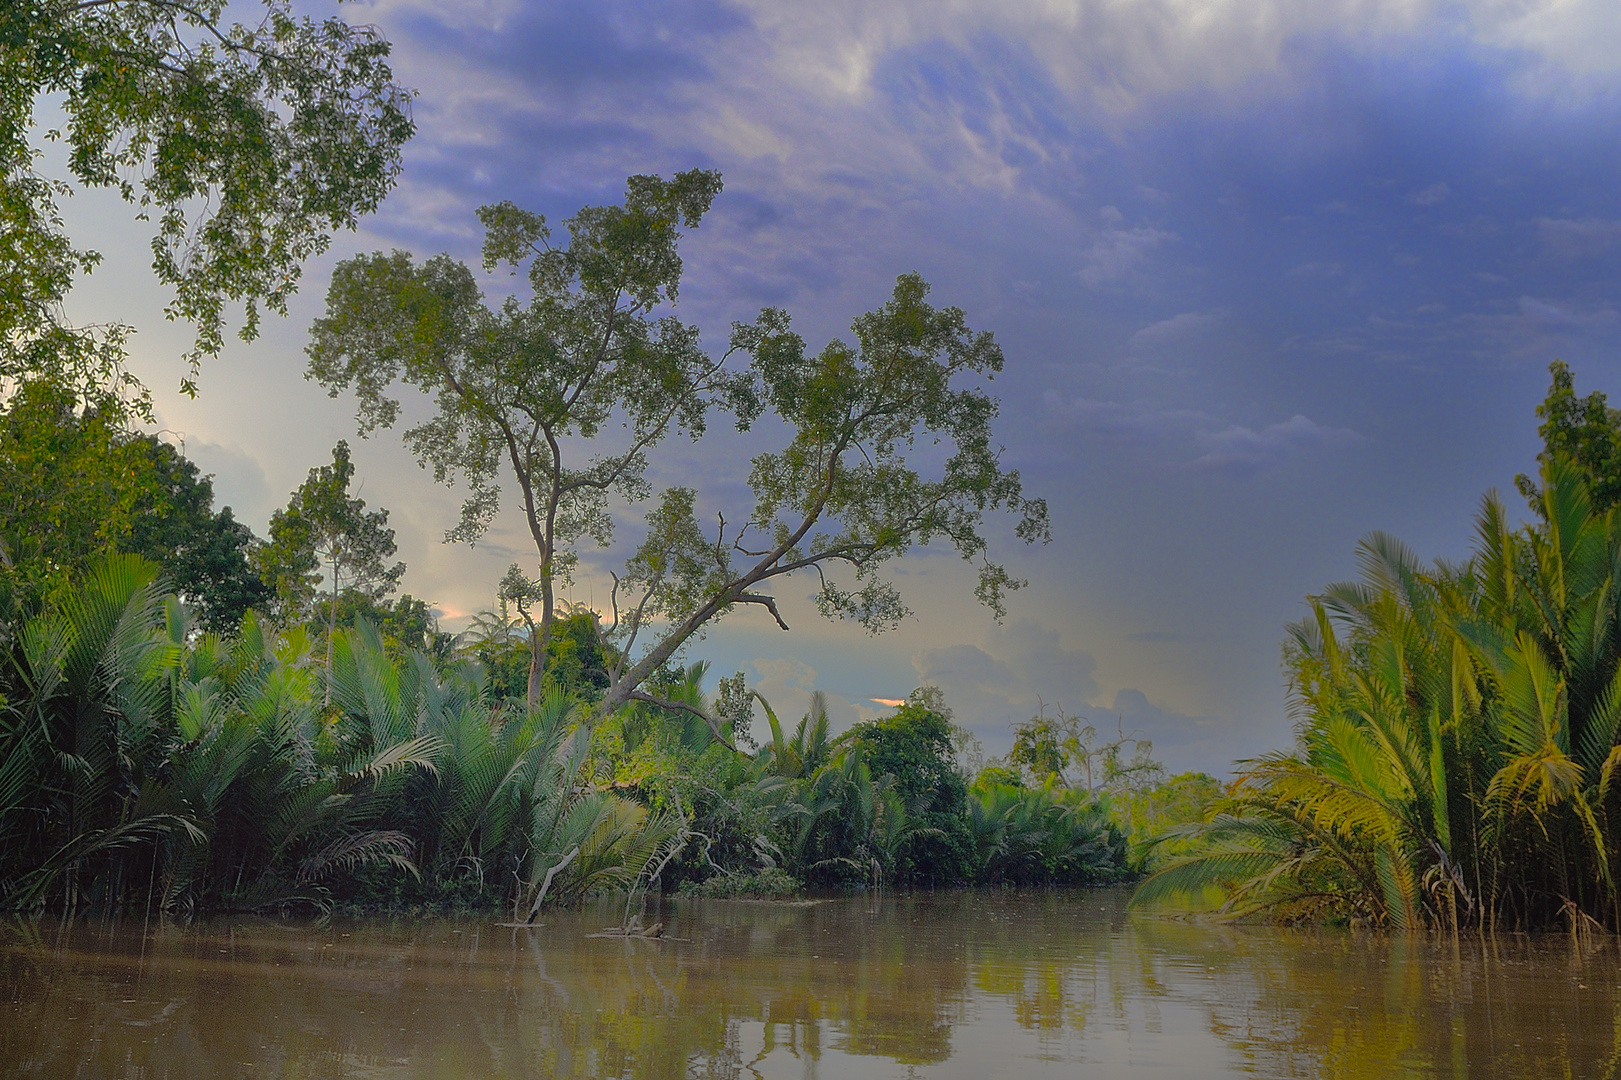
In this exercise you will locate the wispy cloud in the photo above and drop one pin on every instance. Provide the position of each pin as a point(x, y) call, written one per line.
point(1025, 667)
point(1238, 449)
point(1564, 238)
point(1234, 449)
point(1315, 269)
point(788, 684)
point(1004, 679)
point(1433, 195)
point(1159, 637)
point(1141, 420)
point(1178, 330)
point(1120, 252)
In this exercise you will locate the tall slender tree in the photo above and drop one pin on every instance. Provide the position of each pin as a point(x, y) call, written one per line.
point(536, 388)
point(532, 387)
point(326, 532)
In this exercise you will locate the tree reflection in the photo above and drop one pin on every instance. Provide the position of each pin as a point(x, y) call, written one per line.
point(1037, 982)
point(1347, 1006)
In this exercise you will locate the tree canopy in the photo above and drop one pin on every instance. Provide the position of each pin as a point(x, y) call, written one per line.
point(247, 144)
point(914, 746)
point(1586, 432)
point(528, 389)
point(325, 534)
point(75, 482)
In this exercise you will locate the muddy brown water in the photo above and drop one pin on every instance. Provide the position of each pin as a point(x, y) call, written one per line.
point(1062, 984)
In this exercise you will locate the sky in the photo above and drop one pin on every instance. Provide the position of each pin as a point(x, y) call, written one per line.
point(1269, 275)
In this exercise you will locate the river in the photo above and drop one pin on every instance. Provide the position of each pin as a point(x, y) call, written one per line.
point(1044, 984)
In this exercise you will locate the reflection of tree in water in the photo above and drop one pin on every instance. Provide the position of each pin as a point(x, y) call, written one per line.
point(1039, 952)
point(907, 980)
point(465, 1000)
point(827, 976)
point(1348, 1006)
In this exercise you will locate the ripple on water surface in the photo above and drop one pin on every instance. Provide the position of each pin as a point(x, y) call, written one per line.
point(1060, 984)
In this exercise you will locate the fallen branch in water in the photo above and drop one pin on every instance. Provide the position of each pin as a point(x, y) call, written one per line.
point(634, 929)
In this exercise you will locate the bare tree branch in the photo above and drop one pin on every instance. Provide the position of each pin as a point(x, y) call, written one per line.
point(765, 601)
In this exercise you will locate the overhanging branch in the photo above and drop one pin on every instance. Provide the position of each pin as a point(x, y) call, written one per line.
point(681, 706)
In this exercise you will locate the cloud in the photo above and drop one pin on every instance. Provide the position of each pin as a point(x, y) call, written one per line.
point(1025, 667)
point(1181, 743)
point(1315, 270)
point(1116, 56)
point(1563, 314)
point(788, 685)
point(1186, 434)
point(1434, 195)
point(1120, 252)
point(1026, 98)
point(1158, 637)
point(1577, 239)
point(238, 478)
point(1178, 329)
point(1571, 39)
point(1243, 450)
point(1140, 420)
point(1021, 665)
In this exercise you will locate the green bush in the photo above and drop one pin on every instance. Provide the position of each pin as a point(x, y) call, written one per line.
point(914, 746)
point(765, 885)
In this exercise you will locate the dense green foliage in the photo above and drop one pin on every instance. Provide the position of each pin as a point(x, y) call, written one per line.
point(145, 762)
point(883, 802)
point(326, 534)
point(1586, 432)
point(75, 483)
point(247, 144)
point(914, 746)
point(1458, 725)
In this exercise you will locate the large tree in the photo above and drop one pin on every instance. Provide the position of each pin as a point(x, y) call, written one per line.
point(247, 144)
point(534, 388)
point(530, 387)
point(204, 553)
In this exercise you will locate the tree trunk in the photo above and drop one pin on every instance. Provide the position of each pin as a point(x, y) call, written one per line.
point(331, 627)
point(619, 693)
point(537, 667)
point(540, 639)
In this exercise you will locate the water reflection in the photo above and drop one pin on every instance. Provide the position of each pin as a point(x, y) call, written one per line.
point(1060, 984)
